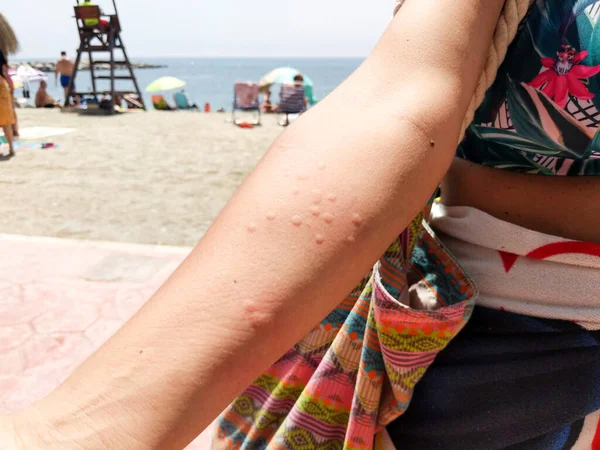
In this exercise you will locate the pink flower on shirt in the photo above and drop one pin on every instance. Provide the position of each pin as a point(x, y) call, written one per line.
point(563, 76)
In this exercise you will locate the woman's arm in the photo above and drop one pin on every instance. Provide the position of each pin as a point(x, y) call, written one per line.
point(324, 203)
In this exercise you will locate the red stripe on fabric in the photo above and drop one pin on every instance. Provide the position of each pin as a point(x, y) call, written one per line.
point(362, 309)
point(350, 300)
point(398, 273)
point(372, 339)
point(553, 249)
point(386, 278)
point(346, 306)
point(559, 248)
point(313, 424)
point(596, 441)
point(392, 273)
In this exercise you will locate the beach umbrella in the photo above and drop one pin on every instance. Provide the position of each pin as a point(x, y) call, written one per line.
point(282, 75)
point(285, 75)
point(27, 73)
point(165, 84)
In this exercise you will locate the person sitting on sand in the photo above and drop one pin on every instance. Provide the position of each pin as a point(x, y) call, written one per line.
point(43, 99)
point(182, 101)
point(267, 105)
point(299, 83)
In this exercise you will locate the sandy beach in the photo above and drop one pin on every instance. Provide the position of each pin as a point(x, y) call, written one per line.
point(146, 177)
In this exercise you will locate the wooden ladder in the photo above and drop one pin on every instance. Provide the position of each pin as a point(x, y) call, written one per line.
point(105, 37)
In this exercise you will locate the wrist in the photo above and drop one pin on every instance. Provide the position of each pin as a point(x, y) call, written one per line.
point(33, 429)
point(20, 432)
point(8, 435)
point(68, 424)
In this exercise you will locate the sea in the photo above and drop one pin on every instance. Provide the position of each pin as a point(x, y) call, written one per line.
point(211, 80)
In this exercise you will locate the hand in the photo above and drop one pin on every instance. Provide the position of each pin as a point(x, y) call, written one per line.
point(21, 432)
point(8, 434)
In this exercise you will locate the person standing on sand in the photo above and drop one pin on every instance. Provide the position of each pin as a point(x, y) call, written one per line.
point(8, 45)
point(64, 68)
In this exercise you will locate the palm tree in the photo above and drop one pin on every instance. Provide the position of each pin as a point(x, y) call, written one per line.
point(9, 45)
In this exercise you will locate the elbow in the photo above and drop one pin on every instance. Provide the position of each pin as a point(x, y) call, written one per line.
point(433, 102)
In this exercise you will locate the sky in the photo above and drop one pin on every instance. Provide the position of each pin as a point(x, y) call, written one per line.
point(212, 28)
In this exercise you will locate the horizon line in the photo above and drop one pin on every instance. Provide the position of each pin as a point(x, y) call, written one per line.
point(211, 57)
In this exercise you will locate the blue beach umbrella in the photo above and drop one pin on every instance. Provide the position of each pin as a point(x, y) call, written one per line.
point(285, 75)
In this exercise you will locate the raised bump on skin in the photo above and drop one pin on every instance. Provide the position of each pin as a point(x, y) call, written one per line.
point(315, 211)
point(328, 217)
point(332, 197)
point(316, 196)
point(252, 227)
point(351, 238)
point(356, 219)
point(319, 239)
point(255, 314)
point(296, 221)
point(271, 216)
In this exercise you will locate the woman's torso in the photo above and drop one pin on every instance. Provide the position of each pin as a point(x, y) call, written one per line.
point(539, 119)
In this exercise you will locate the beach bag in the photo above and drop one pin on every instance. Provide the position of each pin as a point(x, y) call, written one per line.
point(355, 372)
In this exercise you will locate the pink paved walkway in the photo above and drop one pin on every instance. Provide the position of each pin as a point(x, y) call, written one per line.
point(61, 299)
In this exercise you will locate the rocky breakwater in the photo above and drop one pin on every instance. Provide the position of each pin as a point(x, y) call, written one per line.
point(46, 66)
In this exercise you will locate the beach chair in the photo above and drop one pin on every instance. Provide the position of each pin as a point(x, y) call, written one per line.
point(292, 101)
point(246, 98)
point(133, 101)
point(160, 104)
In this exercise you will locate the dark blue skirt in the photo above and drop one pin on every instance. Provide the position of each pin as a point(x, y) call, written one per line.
point(505, 382)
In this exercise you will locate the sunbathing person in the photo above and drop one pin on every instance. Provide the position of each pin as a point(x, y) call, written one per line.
point(43, 99)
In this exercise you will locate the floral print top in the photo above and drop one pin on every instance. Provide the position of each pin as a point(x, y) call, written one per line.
point(542, 113)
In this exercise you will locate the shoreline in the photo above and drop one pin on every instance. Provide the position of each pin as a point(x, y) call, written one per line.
point(49, 66)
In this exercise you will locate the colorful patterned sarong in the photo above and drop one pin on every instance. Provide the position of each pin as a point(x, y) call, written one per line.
point(356, 372)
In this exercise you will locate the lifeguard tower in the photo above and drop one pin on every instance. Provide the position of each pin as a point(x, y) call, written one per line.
point(100, 33)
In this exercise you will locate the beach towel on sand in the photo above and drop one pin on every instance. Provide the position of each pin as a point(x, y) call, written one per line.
point(30, 146)
point(31, 133)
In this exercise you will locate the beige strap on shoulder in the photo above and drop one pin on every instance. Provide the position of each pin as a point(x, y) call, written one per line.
point(513, 12)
